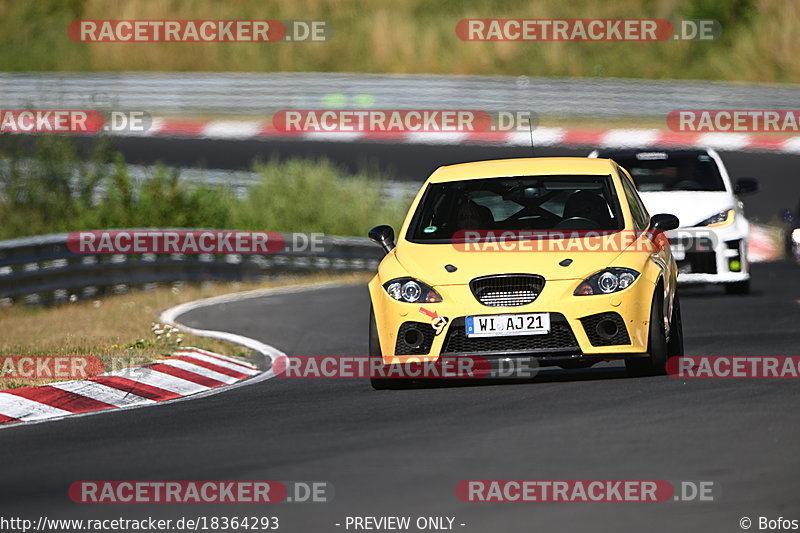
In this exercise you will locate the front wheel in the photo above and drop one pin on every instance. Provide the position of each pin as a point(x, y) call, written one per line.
point(675, 344)
point(656, 361)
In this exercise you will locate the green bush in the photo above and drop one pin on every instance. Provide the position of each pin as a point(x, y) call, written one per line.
point(47, 186)
point(314, 196)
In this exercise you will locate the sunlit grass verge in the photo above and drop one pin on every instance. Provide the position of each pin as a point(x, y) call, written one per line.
point(120, 329)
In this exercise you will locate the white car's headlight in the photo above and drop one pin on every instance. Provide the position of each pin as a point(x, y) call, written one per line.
point(411, 291)
point(607, 281)
point(723, 218)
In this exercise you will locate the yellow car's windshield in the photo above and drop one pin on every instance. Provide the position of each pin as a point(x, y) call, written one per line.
point(522, 203)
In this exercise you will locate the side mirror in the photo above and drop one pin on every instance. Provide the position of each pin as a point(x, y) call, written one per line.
point(745, 186)
point(383, 236)
point(664, 222)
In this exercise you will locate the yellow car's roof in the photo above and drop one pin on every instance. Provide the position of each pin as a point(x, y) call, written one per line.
point(533, 166)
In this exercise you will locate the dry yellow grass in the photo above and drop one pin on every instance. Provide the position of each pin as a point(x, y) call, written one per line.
point(759, 40)
point(117, 329)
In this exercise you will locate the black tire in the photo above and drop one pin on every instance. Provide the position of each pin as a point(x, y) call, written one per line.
point(375, 351)
point(738, 287)
point(656, 361)
point(675, 344)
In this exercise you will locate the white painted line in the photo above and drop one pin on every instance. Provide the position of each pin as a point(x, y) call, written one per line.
point(194, 351)
point(36, 413)
point(336, 136)
point(170, 316)
point(224, 364)
point(541, 137)
point(159, 379)
point(792, 145)
point(155, 126)
point(25, 409)
point(231, 129)
point(102, 393)
point(724, 141)
point(199, 370)
point(520, 138)
point(629, 138)
point(547, 136)
point(435, 137)
point(544, 136)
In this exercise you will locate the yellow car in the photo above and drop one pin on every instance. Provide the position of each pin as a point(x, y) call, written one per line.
point(551, 258)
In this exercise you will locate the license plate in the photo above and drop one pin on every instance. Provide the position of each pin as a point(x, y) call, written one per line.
point(508, 325)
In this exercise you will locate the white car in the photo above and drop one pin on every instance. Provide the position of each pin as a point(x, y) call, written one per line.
point(710, 246)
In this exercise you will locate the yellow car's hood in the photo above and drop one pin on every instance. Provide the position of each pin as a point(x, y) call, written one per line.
point(427, 261)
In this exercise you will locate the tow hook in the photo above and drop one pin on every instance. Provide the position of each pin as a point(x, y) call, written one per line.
point(439, 324)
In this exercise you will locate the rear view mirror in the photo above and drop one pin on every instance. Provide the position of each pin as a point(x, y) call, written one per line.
point(383, 236)
point(664, 222)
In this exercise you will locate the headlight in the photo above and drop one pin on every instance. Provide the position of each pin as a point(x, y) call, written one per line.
point(607, 281)
point(723, 218)
point(411, 291)
point(796, 235)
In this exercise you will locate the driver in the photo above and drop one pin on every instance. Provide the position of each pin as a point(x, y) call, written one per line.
point(586, 204)
point(471, 216)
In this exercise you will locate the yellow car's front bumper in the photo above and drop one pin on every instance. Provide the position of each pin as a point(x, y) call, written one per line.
point(569, 338)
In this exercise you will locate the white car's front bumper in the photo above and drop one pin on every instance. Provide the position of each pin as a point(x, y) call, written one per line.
point(710, 255)
point(729, 277)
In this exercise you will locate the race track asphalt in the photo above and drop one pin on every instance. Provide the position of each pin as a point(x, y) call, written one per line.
point(403, 452)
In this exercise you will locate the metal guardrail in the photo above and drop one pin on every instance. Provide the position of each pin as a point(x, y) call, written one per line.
point(256, 93)
point(42, 270)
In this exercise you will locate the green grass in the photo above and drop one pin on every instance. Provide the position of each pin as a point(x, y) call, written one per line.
point(759, 41)
point(47, 186)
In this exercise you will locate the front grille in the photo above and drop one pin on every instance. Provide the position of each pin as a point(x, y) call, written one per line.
point(509, 290)
point(410, 329)
point(602, 337)
point(560, 339)
point(698, 263)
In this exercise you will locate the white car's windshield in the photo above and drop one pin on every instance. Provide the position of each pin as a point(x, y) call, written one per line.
point(660, 171)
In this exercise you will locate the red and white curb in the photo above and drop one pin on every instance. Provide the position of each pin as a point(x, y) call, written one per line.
point(762, 245)
point(542, 136)
point(187, 372)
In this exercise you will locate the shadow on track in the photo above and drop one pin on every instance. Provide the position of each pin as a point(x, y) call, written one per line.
point(545, 376)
